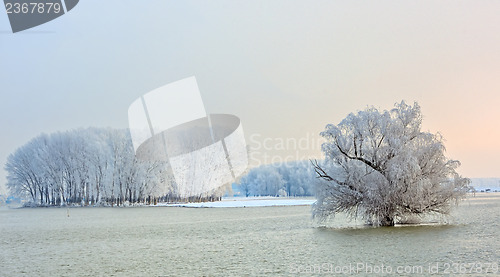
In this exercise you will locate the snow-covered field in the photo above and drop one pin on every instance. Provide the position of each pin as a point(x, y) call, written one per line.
point(239, 202)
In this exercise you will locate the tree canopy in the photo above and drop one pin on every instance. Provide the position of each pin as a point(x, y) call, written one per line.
point(295, 178)
point(380, 166)
point(89, 167)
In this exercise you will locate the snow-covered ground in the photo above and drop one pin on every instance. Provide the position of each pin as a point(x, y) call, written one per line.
point(487, 189)
point(239, 202)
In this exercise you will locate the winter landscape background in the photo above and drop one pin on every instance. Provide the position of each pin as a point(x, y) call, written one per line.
point(286, 69)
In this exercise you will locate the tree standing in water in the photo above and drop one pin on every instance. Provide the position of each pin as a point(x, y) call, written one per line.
point(381, 167)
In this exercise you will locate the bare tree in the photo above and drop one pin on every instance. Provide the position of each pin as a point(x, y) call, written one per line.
point(81, 167)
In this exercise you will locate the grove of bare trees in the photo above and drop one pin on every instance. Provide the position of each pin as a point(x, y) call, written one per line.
point(88, 167)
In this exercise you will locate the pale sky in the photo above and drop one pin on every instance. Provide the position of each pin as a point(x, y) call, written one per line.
point(286, 68)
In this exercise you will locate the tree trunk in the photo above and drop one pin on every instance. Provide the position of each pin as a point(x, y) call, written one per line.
point(387, 221)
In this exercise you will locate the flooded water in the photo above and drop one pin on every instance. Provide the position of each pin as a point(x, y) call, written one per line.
point(260, 241)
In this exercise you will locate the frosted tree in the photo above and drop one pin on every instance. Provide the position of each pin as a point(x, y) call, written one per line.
point(247, 183)
point(269, 181)
point(294, 178)
point(381, 167)
point(299, 178)
point(24, 179)
point(83, 167)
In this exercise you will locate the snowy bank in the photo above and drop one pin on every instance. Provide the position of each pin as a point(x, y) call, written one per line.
point(240, 202)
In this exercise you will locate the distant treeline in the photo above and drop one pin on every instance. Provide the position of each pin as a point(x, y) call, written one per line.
point(89, 167)
point(286, 179)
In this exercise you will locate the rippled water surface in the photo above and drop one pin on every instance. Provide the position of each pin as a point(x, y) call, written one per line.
point(272, 241)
